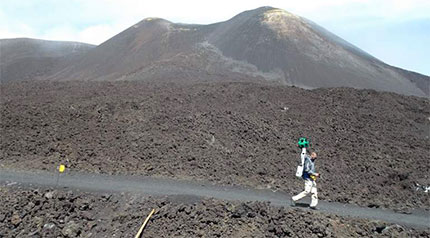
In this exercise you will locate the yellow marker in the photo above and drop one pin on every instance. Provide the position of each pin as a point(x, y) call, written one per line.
point(61, 168)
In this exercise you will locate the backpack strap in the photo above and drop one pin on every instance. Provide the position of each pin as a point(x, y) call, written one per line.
point(303, 156)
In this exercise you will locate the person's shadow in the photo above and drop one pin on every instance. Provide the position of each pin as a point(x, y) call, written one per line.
point(301, 204)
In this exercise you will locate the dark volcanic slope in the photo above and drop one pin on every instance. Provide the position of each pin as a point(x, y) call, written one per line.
point(142, 46)
point(264, 43)
point(24, 58)
point(72, 214)
point(306, 54)
point(422, 81)
point(373, 146)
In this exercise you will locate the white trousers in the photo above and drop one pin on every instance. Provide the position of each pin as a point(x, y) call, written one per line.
point(310, 187)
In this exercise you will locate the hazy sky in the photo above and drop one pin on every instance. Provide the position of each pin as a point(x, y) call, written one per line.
point(395, 31)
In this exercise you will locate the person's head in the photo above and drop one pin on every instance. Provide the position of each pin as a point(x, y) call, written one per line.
point(313, 155)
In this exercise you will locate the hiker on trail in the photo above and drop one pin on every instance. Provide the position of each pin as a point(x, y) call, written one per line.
point(309, 175)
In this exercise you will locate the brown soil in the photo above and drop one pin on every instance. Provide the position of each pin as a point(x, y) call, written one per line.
point(373, 147)
point(47, 213)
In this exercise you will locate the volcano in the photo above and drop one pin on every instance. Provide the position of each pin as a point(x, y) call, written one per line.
point(264, 44)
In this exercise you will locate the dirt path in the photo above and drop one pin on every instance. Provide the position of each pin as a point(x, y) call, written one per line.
point(186, 191)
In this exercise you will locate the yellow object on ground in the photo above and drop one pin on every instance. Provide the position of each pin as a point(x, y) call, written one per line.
point(313, 177)
point(61, 168)
point(144, 224)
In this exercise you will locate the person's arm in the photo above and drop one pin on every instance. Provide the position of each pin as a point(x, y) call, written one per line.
point(307, 165)
point(310, 167)
point(313, 171)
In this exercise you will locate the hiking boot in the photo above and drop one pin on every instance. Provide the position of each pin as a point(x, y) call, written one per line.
point(293, 203)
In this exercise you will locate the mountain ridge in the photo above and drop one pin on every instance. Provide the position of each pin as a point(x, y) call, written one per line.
point(265, 44)
point(26, 58)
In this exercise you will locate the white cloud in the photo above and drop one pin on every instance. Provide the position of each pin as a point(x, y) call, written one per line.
point(97, 20)
point(15, 31)
point(98, 33)
point(63, 33)
point(349, 13)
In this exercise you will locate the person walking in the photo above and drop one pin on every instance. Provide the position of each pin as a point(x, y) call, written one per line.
point(310, 176)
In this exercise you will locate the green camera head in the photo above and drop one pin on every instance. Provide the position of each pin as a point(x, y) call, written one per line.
point(303, 142)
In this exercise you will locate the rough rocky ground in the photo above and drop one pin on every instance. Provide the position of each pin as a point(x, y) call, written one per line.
point(373, 147)
point(47, 213)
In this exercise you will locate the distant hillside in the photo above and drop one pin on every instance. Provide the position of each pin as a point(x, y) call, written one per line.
point(420, 80)
point(24, 58)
